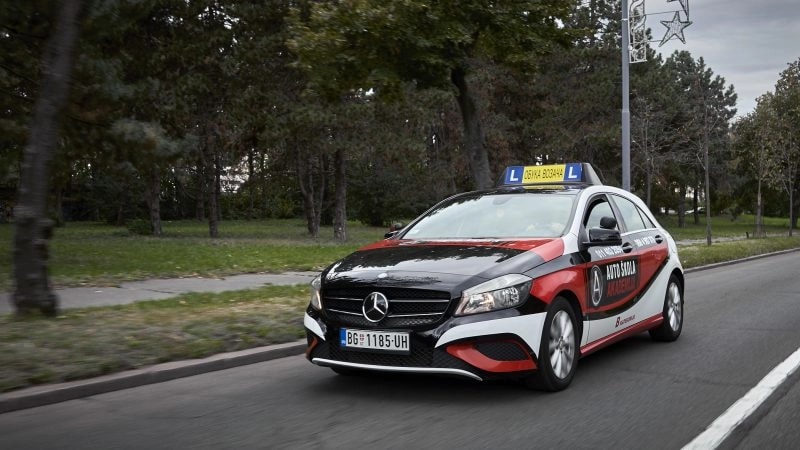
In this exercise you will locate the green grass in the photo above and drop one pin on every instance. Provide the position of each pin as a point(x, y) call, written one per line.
point(722, 227)
point(701, 254)
point(84, 343)
point(96, 254)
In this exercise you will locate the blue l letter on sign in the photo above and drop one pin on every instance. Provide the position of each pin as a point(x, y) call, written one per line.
point(513, 175)
point(573, 172)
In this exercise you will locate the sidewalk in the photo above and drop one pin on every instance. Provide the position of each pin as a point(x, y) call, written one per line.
point(82, 297)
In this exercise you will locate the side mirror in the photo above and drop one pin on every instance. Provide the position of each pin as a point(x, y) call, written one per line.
point(602, 236)
point(607, 234)
point(608, 223)
point(393, 230)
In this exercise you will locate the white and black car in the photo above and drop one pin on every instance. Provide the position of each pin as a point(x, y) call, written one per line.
point(517, 281)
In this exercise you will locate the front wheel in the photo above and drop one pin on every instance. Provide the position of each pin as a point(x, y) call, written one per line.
point(671, 327)
point(558, 352)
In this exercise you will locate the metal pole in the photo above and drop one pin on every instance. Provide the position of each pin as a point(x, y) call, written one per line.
point(626, 113)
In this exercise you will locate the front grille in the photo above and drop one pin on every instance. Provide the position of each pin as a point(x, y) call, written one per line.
point(407, 307)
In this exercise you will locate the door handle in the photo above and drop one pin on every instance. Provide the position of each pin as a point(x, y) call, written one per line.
point(627, 247)
point(659, 239)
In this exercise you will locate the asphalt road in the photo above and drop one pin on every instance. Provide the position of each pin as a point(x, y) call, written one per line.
point(741, 321)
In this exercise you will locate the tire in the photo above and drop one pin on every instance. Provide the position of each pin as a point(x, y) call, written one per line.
point(558, 351)
point(671, 327)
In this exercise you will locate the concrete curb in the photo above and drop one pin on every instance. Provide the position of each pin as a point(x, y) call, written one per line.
point(55, 393)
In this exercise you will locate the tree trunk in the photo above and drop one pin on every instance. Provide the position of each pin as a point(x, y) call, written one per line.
point(210, 182)
point(264, 183)
point(681, 206)
point(320, 193)
point(59, 207)
point(32, 229)
point(153, 200)
point(200, 193)
point(217, 185)
point(251, 193)
point(649, 184)
point(311, 191)
point(759, 209)
point(696, 204)
point(474, 139)
point(708, 189)
point(340, 182)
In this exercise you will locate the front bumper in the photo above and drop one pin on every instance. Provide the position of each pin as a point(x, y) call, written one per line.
point(496, 345)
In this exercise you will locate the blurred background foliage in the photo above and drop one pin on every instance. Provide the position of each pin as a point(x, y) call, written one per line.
point(253, 109)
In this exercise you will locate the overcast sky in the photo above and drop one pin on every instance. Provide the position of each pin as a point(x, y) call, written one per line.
point(747, 42)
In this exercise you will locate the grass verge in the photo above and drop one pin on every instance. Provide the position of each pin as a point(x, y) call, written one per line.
point(102, 255)
point(84, 343)
point(702, 254)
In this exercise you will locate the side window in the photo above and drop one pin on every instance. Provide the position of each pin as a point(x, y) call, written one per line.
point(630, 214)
point(598, 209)
point(648, 223)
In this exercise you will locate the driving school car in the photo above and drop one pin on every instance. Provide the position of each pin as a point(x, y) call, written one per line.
point(519, 281)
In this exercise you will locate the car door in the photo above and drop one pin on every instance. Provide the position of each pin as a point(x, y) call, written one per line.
point(642, 239)
point(606, 267)
point(611, 275)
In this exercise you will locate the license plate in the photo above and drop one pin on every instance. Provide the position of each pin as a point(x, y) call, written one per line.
point(379, 341)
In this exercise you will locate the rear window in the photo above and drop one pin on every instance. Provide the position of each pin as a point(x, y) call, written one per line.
point(519, 215)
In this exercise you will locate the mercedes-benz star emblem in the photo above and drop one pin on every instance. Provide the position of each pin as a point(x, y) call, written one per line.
point(375, 307)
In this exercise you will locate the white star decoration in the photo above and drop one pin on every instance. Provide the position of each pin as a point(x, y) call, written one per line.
point(674, 28)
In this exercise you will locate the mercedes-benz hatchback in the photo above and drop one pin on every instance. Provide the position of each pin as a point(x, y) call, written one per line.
point(519, 281)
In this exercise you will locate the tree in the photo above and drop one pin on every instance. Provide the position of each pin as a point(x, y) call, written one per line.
point(708, 109)
point(372, 45)
point(787, 111)
point(32, 229)
point(147, 147)
point(754, 145)
point(575, 95)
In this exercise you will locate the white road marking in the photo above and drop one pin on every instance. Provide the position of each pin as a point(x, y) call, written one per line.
point(721, 428)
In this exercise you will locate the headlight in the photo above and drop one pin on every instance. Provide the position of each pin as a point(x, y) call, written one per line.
point(316, 300)
point(503, 292)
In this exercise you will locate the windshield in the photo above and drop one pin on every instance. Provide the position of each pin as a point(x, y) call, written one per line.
point(482, 216)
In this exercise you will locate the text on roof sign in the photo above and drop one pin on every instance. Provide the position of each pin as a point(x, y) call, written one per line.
point(552, 173)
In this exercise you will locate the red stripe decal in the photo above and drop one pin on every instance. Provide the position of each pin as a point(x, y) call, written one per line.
point(468, 353)
point(622, 334)
point(550, 250)
point(551, 245)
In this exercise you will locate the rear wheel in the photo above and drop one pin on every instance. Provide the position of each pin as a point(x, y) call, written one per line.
point(671, 327)
point(558, 351)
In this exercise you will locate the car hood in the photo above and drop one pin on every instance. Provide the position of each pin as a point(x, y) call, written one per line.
point(438, 265)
